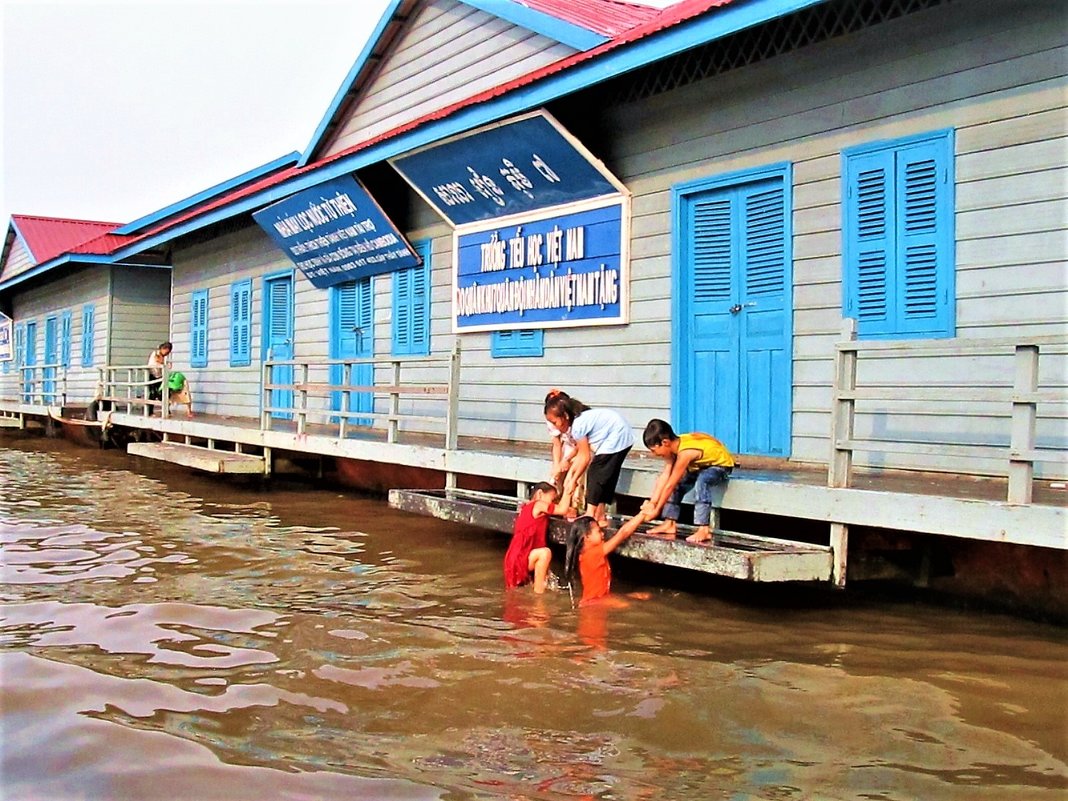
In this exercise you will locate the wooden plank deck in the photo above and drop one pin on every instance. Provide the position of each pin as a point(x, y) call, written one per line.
point(745, 557)
point(210, 460)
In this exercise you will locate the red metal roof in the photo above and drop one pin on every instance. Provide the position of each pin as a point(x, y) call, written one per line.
point(48, 237)
point(606, 17)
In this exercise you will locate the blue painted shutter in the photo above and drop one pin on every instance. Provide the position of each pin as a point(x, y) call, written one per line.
point(869, 242)
point(88, 334)
point(411, 307)
point(20, 345)
point(765, 242)
point(65, 338)
point(509, 344)
point(241, 323)
point(924, 214)
point(198, 313)
point(899, 262)
point(712, 250)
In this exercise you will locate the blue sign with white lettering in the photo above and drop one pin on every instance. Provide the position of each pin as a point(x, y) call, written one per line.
point(516, 167)
point(335, 232)
point(562, 270)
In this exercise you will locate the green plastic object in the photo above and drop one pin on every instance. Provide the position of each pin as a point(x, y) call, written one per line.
point(176, 381)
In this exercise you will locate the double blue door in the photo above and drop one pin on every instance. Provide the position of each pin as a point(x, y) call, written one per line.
point(51, 356)
point(734, 326)
point(278, 339)
point(352, 337)
point(29, 363)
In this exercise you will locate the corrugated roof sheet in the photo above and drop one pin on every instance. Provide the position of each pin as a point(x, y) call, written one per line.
point(48, 237)
point(606, 17)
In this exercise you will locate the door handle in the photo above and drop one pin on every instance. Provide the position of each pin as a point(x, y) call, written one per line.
point(737, 307)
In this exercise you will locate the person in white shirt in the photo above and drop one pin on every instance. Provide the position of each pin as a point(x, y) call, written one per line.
point(602, 441)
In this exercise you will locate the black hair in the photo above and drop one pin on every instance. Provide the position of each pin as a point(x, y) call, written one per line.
point(543, 486)
point(656, 431)
point(576, 535)
point(563, 405)
point(163, 345)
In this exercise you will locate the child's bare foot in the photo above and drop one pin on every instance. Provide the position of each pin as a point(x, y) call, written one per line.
point(665, 529)
point(703, 534)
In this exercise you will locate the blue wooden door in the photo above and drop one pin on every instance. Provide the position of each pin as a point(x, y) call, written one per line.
point(51, 357)
point(735, 335)
point(278, 338)
point(352, 337)
point(29, 363)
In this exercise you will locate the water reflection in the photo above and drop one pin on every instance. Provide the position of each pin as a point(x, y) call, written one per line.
point(165, 635)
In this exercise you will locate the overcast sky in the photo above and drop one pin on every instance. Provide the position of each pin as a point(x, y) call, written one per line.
point(113, 110)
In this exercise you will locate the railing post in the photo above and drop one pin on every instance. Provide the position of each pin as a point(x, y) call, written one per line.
point(1024, 414)
point(302, 409)
point(394, 405)
point(165, 393)
point(840, 469)
point(452, 413)
point(346, 400)
point(265, 380)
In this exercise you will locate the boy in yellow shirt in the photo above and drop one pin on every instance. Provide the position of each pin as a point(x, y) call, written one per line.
point(693, 461)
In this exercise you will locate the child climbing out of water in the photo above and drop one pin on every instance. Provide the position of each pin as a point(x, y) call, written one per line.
point(528, 553)
point(692, 461)
point(587, 552)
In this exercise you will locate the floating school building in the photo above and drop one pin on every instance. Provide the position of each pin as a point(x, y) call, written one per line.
point(831, 233)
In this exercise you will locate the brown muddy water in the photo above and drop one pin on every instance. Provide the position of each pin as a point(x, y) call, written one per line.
point(170, 636)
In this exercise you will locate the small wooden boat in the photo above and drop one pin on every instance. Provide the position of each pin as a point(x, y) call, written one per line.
point(91, 429)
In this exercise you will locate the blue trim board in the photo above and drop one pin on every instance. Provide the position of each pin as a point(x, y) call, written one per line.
point(538, 21)
point(346, 85)
point(674, 40)
point(254, 174)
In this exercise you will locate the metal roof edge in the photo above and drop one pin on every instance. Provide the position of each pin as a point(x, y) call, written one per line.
point(350, 79)
point(559, 30)
point(221, 188)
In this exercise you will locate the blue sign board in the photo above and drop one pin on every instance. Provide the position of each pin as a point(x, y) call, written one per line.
point(335, 232)
point(553, 271)
point(520, 166)
point(6, 352)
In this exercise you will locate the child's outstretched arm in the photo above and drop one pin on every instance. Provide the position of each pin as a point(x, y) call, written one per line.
point(623, 533)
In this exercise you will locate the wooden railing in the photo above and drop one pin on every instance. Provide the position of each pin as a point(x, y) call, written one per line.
point(1019, 403)
point(343, 390)
point(39, 387)
point(125, 388)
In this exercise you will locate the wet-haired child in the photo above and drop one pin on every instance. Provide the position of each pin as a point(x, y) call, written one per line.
point(587, 553)
point(528, 553)
point(693, 461)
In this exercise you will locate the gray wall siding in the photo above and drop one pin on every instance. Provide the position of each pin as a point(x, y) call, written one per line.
point(70, 293)
point(19, 259)
point(140, 318)
point(449, 52)
point(993, 72)
point(215, 266)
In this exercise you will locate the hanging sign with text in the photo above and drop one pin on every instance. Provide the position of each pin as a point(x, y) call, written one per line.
point(335, 232)
point(520, 166)
point(553, 271)
point(7, 352)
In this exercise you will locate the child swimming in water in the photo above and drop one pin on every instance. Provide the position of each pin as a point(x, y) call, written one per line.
point(587, 550)
point(528, 553)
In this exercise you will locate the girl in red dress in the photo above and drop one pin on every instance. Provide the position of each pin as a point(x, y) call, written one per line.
point(528, 553)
